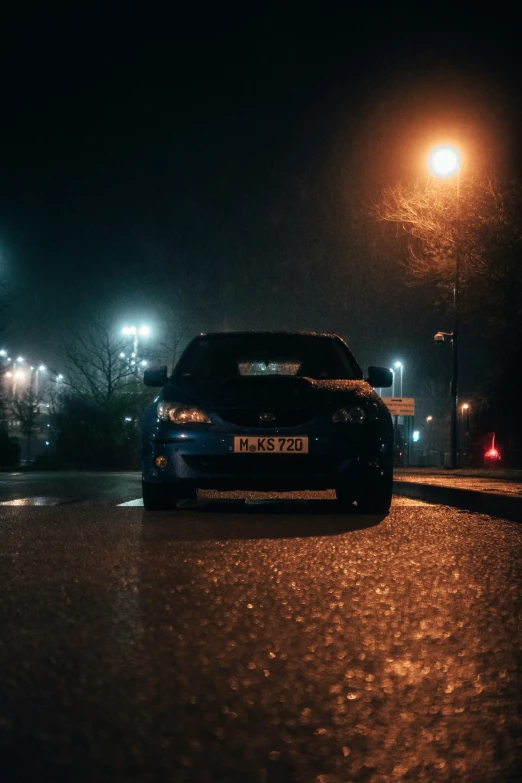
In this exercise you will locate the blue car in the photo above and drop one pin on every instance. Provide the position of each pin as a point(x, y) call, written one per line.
point(271, 411)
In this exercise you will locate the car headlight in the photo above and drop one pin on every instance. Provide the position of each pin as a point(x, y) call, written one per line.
point(355, 415)
point(181, 414)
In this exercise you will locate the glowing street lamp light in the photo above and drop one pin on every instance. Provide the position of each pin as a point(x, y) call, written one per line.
point(136, 332)
point(444, 161)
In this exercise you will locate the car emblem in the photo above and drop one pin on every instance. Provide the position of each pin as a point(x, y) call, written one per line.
point(267, 417)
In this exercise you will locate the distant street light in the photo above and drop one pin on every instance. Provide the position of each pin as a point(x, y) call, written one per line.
point(41, 368)
point(429, 422)
point(135, 332)
point(18, 376)
point(399, 366)
point(445, 162)
point(465, 420)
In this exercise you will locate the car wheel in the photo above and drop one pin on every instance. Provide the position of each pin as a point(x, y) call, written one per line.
point(157, 497)
point(375, 496)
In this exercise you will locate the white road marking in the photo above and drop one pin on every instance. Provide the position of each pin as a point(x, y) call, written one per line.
point(139, 502)
point(37, 501)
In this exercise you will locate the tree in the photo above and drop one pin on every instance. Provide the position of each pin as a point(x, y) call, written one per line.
point(96, 416)
point(27, 410)
point(93, 364)
point(489, 236)
point(485, 224)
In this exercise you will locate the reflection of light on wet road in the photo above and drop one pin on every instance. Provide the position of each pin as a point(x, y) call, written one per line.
point(261, 499)
point(38, 501)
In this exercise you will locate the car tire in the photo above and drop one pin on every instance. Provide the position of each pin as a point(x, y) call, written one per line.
point(375, 496)
point(157, 497)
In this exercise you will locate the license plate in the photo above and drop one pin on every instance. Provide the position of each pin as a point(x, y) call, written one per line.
point(273, 445)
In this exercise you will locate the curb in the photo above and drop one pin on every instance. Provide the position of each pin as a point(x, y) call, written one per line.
point(504, 506)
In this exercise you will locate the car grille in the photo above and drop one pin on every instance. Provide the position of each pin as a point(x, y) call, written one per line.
point(246, 417)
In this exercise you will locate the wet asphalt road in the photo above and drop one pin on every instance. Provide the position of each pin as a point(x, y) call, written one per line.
point(277, 641)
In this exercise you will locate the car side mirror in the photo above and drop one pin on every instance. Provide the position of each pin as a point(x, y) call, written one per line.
point(157, 377)
point(380, 377)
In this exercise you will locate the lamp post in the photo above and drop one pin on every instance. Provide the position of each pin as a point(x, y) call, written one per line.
point(135, 332)
point(445, 162)
point(465, 422)
point(429, 423)
point(399, 366)
point(41, 368)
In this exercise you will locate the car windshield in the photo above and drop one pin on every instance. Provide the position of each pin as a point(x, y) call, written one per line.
point(229, 356)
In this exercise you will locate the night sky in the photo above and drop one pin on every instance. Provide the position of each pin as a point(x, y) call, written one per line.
point(217, 163)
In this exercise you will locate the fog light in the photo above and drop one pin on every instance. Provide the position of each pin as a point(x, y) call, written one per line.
point(161, 462)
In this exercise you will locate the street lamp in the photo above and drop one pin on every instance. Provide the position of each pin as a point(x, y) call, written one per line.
point(465, 420)
point(444, 161)
point(41, 368)
point(18, 376)
point(399, 366)
point(135, 332)
point(429, 422)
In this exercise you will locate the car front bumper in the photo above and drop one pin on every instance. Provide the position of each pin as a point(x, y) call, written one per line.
point(206, 460)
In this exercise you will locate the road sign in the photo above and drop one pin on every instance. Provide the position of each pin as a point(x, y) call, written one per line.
point(400, 406)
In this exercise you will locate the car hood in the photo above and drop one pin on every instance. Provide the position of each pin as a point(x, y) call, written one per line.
point(271, 391)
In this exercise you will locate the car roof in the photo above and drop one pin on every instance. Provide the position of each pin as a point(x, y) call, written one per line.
point(268, 333)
